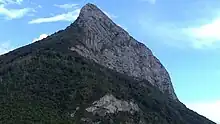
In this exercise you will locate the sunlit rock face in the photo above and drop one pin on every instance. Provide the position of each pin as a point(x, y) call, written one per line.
point(111, 46)
point(108, 104)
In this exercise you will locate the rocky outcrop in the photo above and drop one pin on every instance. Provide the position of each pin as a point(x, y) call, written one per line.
point(111, 46)
point(108, 104)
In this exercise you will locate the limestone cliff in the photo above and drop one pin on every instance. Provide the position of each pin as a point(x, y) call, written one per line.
point(55, 81)
point(111, 46)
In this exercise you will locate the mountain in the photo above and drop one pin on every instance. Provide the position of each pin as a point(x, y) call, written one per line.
point(93, 72)
point(109, 45)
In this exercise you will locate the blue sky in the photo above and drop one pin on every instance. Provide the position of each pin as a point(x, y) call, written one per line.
point(183, 34)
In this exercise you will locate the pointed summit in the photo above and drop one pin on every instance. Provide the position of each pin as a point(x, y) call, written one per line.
point(91, 11)
point(92, 17)
point(56, 80)
point(111, 46)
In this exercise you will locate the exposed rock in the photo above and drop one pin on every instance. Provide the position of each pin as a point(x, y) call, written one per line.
point(47, 79)
point(110, 105)
point(111, 46)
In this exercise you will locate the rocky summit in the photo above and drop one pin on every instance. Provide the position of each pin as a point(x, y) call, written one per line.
point(111, 46)
point(93, 72)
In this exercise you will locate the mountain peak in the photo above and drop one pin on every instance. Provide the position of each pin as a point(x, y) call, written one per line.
point(92, 72)
point(91, 11)
point(90, 6)
point(109, 45)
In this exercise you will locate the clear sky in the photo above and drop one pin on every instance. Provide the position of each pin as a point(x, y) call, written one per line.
point(183, 34)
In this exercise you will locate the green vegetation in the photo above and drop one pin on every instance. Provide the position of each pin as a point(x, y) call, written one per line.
point(44, 82)
point(47, 86)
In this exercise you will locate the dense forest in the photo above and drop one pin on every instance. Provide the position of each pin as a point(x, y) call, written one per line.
point(48, 85)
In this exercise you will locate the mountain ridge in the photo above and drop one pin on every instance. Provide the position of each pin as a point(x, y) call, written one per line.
point(50, 82)
point(113, 47)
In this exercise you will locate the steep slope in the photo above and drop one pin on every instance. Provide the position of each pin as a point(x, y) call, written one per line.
point(53, 81)
point(56, 87)
point(111, 46)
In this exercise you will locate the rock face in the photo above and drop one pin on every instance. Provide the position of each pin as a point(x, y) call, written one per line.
point(108, 104)
point(54, 81)
point(111, 46)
